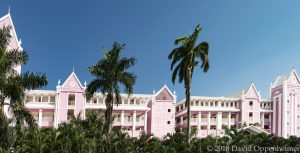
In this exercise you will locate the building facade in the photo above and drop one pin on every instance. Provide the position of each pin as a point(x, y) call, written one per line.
point(159, 114)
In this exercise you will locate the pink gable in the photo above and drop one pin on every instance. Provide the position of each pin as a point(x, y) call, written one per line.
point(293, 79)
point(72, 84)
point(164, 95)
point(252, 93)
point(6, 21)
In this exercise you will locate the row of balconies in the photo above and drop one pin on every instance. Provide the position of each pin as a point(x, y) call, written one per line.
point(41, 98)
point(213, 121)
point(208, 105)
point(127, 101)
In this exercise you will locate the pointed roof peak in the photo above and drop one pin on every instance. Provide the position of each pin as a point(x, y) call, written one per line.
point(164, 87)
point(76, 78)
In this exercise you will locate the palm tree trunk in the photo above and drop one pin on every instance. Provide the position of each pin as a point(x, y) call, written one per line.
point(108, 114)
point(108, 118)
point(188, 97)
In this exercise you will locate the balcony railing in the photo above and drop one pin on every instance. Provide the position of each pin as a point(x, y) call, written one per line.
point(71, 102)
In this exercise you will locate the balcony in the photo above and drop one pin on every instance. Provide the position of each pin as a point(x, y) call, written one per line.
point(71, 102)
point(128, 121)
point(212, 132)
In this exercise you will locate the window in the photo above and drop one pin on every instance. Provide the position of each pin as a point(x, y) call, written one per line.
point(298, 116)
point(288, 112)
point(288, 123)
point(288, 101)
point(71, 99)
point(169, 110)
point(251, 114)
point(266, 116)
point(298, 127)
point(266, 126)
point(298, 105)
point(70, 114)
point(169, 122)
point(250, 103)
point(95, 100)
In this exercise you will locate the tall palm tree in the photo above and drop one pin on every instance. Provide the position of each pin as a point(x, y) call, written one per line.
point(187, 57)
point(111, 74)
point(12, 84)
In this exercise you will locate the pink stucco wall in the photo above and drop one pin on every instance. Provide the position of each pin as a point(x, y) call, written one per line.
point(160, 115)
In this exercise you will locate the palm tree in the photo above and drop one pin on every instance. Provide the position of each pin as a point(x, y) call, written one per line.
point(111, 74)
point(187, 57)
point(12, 84)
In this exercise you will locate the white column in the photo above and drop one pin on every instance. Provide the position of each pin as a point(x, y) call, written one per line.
point(237, 122)
point(295, 114)
point(122, 118)
point(274, 115)
point(33, 100)
point(145, 120)
point(284, 101)
point(270, 120)
point(219, 103)
point(40, 117)
point(42, 98)
point(262, 119)
point(219, 120)
point(134, 121)
point(49, 98)
point(229, 120)
point(199, 121)
point(208, 120)
point(181, 120)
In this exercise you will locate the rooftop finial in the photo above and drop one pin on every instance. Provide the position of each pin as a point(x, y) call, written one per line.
point(20, 41)
point(174, 92)
point(8, 9)
point(58, 82)
point(153, 91)
point(73, 69)
point(85, 83)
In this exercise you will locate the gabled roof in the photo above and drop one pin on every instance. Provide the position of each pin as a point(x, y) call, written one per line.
point(281, 78)
point(14, 34)
point(168, 90)
point(246, 91)
point(254, 130)
point(293, 74)
point(76, 78)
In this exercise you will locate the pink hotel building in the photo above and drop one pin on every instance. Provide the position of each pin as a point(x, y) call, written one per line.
point(159, 114)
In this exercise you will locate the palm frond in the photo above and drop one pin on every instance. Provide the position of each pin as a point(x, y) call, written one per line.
point(33, 80)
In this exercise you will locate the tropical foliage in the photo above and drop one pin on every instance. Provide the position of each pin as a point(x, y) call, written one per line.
point(13, 84)
point(111, 74)
point(86, 136)
point(185, 58)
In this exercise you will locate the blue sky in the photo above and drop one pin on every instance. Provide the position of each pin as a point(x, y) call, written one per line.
point(249, 41)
